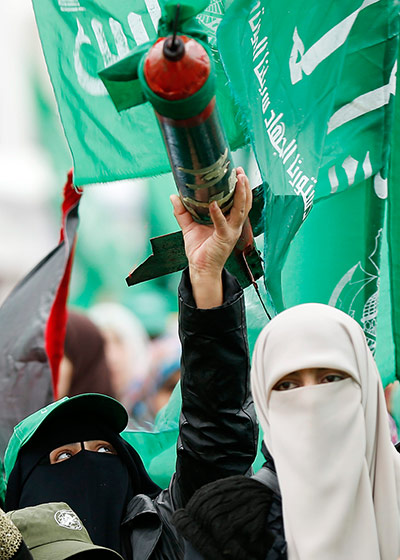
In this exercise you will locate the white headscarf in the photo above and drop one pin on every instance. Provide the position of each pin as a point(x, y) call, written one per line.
point(337, 468)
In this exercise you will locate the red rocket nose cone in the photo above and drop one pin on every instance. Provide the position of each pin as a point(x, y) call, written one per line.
point(177, 79)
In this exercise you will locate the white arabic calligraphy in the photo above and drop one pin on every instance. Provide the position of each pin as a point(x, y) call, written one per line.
point(92, 84)
point(323, 48)
point(285, 149)
point(364, 103)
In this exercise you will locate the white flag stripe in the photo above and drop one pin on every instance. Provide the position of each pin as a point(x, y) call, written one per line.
point(153, 7)
point(333, 179)
point(367, 167)
point(365, 103)
point(380, 186)
point(323, 48)
point(350, 167)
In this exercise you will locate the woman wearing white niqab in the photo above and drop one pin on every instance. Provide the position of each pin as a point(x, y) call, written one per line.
point(338, 471)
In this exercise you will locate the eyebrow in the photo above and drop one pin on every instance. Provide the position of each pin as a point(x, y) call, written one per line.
point(317, 370)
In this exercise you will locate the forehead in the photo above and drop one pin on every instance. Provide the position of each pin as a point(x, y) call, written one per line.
point(313, 372)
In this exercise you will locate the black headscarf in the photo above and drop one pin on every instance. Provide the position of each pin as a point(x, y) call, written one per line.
point(97, 486)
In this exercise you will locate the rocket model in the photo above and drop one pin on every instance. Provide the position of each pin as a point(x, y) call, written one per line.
point(176, 75)
point(180, 84)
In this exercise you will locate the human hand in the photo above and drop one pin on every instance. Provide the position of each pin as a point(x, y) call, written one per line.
point(208, 247)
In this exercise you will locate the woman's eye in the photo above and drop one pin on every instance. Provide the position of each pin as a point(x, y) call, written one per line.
point(285, 386)
point(105, 449)
point(64, 452)
point(332, 378)
point(63, 456)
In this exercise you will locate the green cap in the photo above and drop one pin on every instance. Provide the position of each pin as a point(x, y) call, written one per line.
point(94, 406)
point(55, 531)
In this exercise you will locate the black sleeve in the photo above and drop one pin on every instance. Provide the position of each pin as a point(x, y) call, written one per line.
point(218, 428)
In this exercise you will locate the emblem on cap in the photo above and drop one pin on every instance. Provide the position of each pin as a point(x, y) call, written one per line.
point(68, 519)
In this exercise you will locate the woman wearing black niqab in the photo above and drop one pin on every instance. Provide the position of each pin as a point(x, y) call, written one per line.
point(96, 485)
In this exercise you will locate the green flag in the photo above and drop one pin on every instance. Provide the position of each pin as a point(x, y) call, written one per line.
point(319, 82)
point(80, 38)
point(394, 241)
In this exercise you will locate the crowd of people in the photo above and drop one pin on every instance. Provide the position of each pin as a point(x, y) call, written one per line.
point(329, 488)
point(107, 350)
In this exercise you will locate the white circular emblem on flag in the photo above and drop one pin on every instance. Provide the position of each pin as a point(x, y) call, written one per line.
point(68, 519)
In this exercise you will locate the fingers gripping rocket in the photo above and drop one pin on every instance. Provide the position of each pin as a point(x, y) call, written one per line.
point(176, 74)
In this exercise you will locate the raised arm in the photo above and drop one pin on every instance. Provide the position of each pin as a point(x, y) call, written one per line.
point(218, 428)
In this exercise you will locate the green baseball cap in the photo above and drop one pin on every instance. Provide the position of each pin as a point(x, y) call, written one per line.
point(53, 530)
point(101, 408)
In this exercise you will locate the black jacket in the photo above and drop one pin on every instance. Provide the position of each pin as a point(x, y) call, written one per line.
point(218, 429)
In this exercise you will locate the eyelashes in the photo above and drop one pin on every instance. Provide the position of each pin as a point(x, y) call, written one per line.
point(292, 381)
point(65, 452)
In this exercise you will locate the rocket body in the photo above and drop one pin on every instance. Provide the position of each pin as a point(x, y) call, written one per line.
point(187, 113)
point(200, 161)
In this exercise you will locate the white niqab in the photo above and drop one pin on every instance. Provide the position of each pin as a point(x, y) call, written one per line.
point(337, 468)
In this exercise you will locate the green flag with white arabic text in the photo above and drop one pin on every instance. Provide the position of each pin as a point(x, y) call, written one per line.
point(317, 83)
point(80, 38)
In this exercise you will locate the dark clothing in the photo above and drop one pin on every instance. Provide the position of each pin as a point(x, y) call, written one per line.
point(21, 554)
point(191, 553)
point(218, 430)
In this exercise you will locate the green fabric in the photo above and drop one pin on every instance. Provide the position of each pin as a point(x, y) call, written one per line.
point(385, 349)
point(303, 84)
point(348, 272)
point(125, 80)
point(319, 82)
point(157, 447)
point(394, 241)
point(157, 451)
point(188, 8)
point(121, 80)
point(82, 37)
point(23, 433)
